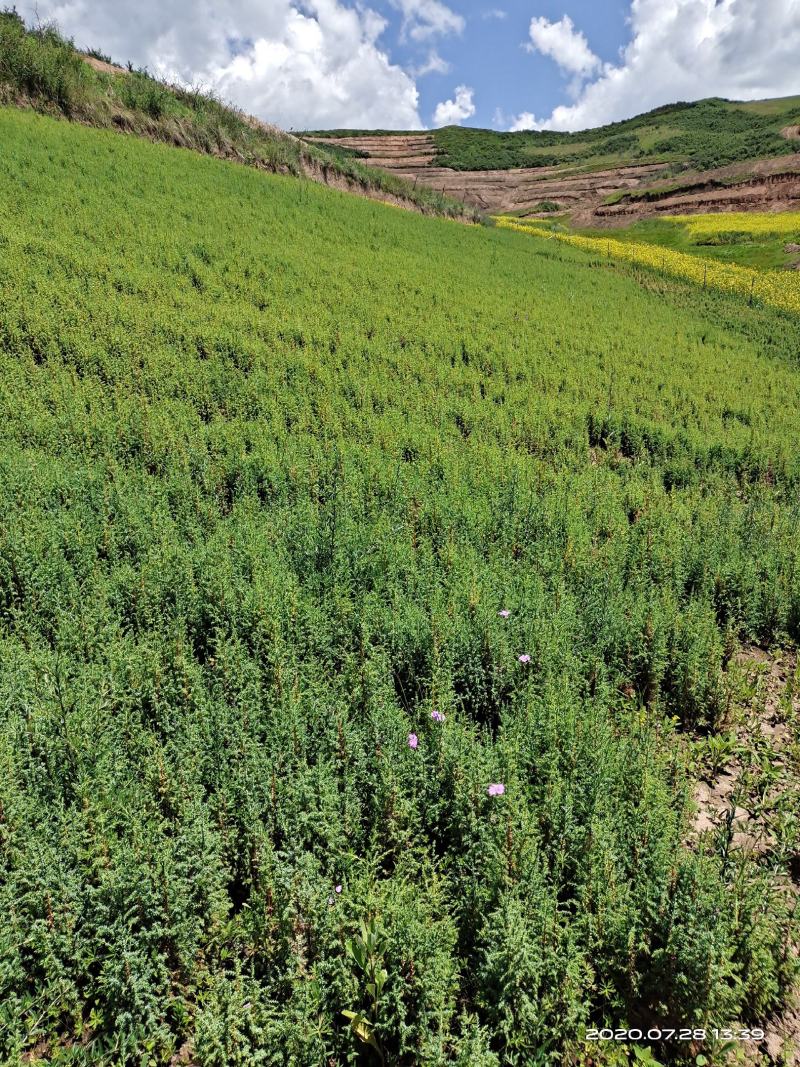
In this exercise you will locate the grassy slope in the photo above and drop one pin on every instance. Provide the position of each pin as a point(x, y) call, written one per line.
point(271, 460)
point(706, 134)
point(45, 70)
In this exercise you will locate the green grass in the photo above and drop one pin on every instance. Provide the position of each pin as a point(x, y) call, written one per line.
point(272, 459)
point(42, 68)
point(702, 135)
point(778, 106)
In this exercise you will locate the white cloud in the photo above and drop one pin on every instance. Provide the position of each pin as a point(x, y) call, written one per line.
point(524, 121)
point(298, 63)
point(452, 112)
point(564, 44)
point(434, 64)
point(686, 50)
point(495, 13)
point(423, 19)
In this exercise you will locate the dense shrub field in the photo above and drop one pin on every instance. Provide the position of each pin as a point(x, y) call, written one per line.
point(321, 522)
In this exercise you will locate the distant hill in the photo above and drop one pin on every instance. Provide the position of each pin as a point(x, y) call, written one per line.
point(680, 141)
point(705, 134)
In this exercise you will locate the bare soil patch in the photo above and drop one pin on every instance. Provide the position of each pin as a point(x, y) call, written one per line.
point(103, 67)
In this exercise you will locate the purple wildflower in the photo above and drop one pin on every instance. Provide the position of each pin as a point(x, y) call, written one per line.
point(496, 789)
point(504, 614)
point(437, 716)
point(413, 740)
point(524, 658)
point(338, 889)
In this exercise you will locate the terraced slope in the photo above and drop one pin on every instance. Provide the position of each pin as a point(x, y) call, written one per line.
point(404, 154)
point(691, 150)
point(514, 190)
point(607, 196)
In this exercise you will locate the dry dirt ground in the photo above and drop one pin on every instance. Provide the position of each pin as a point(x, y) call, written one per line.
point(748, 797)
point(771, 185)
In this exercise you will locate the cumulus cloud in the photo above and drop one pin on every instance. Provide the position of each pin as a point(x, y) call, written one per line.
point(686, 50)
point(452, 112)
point(299, 63)
point(423, 19)
point(526, 120)
point(563, 43)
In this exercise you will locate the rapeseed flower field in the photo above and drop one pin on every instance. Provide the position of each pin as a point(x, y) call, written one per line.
point(751, 223)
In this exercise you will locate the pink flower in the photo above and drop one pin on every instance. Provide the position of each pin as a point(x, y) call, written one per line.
point(413, 740)
point(496, 789)
point(524, 658)
point(504, 614)
point(338, 889)
point(437, 716)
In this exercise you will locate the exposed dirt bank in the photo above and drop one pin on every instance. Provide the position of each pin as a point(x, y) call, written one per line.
point(103, 67)
point(773, 185)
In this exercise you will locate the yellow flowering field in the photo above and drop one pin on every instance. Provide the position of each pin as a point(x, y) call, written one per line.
point(781, 289)
point(753, 223)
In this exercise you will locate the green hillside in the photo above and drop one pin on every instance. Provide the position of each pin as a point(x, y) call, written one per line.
point(40, 68)
point(283, 472)
point(706, 134)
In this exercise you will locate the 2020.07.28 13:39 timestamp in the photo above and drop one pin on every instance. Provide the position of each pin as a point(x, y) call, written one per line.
point(677, 1034)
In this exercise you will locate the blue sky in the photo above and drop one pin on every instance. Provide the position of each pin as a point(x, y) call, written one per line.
point(411, 64)
point(489, 54)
